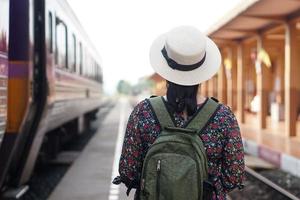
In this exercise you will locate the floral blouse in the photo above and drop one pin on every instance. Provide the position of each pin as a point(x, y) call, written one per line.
point(221, 138)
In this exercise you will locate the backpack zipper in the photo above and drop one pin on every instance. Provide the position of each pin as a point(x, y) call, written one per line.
point(143, 184)
point(158, 169)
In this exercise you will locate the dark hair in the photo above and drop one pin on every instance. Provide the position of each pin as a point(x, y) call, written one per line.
point(182, 97)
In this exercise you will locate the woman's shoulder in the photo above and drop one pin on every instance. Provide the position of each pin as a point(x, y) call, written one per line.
point(225, 108)
point(141, 106)
point(224, 113)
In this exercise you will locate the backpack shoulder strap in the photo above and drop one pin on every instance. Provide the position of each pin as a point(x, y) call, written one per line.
point(161, 112)
point(204, 115)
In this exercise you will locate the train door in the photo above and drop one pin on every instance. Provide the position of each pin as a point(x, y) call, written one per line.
point(36, 122)
point(29, 50)
point(4, 17)
point(25, 131)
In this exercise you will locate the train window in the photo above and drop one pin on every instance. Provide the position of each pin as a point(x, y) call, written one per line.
point(75, 52)
point(98, 73)
point(50, 29)
point(61, 44)
point(72, 51)
point(93, 69)
point(77, 59)
point(80, 59)
point(86, 64)
point(95, 73)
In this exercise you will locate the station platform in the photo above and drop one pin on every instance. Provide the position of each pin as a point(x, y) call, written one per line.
point(272, 144)
point(90, 176)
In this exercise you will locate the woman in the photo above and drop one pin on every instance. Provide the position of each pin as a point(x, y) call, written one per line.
point(185, 58)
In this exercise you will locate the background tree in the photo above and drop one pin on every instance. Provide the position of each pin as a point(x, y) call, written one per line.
point(124, 87)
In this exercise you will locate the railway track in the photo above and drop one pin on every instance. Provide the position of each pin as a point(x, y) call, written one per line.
point(260, 187)
point(270, 184)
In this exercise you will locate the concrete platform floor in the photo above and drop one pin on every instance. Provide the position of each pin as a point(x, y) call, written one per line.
point(274, 137)
point(89, 178)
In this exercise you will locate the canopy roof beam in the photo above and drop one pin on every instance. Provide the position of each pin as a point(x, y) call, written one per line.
point(251, 32)
point(278, 19)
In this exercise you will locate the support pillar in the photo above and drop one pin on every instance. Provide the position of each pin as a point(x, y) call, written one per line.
point(263, 87)
point(215, 86)
point(292, 72)
point(221, 86)
point(211, 87)
point(234, 78)
point(230, 72)
point(204, 89)
point(240, 85)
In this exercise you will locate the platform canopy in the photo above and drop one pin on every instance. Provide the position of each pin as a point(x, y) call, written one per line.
point(252, 16)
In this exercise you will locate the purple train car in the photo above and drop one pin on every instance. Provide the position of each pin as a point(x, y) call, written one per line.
point(50, 77)
point(4, 20)
point(4, 36)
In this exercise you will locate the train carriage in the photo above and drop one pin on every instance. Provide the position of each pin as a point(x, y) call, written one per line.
point(4, 10)
point(54, 79)
point(4, 37)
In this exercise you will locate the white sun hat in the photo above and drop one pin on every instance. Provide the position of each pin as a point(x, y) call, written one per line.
point(185, 56)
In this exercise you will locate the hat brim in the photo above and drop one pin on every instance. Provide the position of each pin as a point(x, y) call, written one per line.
point(207, 70)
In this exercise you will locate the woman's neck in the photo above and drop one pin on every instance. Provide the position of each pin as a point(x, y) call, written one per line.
point(200, 100)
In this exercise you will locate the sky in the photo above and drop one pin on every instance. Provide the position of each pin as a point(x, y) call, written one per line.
point(123, 30)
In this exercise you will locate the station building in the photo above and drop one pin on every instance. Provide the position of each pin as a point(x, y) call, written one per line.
point(260, 76)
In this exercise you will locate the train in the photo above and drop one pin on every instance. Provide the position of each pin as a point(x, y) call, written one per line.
point(50, 77)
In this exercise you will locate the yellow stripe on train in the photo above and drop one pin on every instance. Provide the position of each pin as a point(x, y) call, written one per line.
point(18, 100)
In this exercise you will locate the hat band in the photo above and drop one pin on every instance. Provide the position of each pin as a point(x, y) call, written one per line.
point(174, 65)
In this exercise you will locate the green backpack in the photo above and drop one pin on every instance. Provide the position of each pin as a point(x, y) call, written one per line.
point(175, 166)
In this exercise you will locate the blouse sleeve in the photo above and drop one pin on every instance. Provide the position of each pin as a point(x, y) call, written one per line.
point(233, 165)
point(130, 161)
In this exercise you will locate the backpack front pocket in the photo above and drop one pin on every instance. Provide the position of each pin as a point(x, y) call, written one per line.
point(171, 176)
